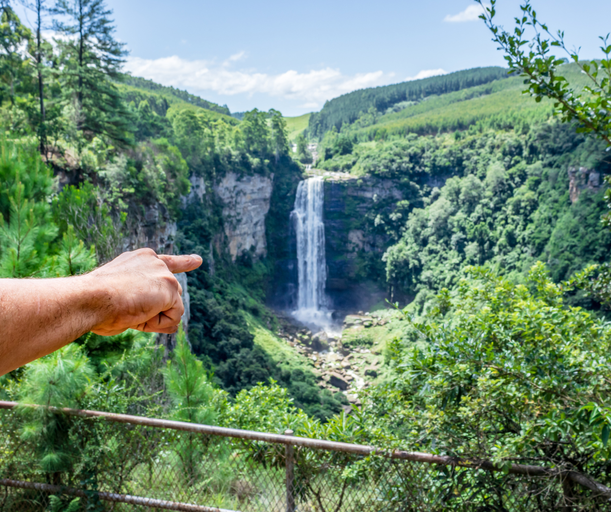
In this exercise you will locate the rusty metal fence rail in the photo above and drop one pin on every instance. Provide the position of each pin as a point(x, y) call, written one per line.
point(94, 461)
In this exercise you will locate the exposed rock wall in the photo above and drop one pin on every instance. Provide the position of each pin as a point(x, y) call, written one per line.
point(151, 226)
point(246, 201)
point(581, 179)
point(351, 237)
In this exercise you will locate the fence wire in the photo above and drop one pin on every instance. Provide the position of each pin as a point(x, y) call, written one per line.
point(73, 464)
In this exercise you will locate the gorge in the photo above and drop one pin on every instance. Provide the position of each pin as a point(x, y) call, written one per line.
point(422, 267)
point(301, 258)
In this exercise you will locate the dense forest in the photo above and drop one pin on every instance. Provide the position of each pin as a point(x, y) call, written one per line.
point(496, 339)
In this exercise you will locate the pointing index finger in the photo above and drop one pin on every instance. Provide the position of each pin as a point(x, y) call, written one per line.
point(183, 263)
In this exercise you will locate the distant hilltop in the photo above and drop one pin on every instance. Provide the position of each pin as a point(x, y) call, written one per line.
point(347, 108)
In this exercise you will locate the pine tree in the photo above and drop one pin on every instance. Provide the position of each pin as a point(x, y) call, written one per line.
point(192, 397)
point(24, 239)
point(73, 258)
point(91, 60)
point(26, 226)
point(188, 385)
point(39, 50)
point(13, 64)
point(61, 379)
point(28, 233)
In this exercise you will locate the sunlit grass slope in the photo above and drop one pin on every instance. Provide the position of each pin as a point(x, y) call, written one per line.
point(498, 104)
point(296, 125)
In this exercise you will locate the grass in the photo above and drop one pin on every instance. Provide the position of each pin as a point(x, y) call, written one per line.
point(278, 349)
point(296, 125)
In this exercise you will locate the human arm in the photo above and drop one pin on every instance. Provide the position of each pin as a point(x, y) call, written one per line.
point(136, 290)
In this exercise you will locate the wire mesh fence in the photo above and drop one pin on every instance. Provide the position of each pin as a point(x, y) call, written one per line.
point(76, 461)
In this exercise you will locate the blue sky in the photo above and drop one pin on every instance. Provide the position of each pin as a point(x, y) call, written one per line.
point(295, 55)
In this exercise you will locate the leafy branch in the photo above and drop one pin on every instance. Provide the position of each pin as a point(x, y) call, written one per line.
point(532, 58)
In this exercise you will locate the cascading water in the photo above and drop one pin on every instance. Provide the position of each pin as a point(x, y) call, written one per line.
point(312, 266)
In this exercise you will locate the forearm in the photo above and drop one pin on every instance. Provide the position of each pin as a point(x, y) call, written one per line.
point(134, 291)
point(38, 316)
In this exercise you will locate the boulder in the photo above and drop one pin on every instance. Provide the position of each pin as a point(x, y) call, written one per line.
point(370, 371)
point(344, 350)
point(333, 357)
point(352, 321)
point(337, 380)
point(320, 341)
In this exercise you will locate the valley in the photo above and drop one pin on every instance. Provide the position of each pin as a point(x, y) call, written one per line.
point(404, 297)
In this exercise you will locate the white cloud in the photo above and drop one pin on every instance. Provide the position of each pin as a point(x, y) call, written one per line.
point(236, 57)
point(312, 88)
point(471, 13)
point(427, 73)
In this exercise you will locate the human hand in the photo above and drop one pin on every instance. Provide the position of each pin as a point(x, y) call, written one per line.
point(138, 291)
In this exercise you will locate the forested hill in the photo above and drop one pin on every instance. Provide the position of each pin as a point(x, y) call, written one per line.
point(347, 108)
point(488, 177)
point(171, 94)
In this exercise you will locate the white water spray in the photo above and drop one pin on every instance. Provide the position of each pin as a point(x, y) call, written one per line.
point(312, 266)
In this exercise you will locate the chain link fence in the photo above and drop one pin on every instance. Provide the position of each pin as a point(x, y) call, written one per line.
point(91, 461)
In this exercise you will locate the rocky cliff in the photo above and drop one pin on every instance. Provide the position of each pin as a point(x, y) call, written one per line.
point(246, 202)
point(150, 226)
point(353, 243)
point(581, 179)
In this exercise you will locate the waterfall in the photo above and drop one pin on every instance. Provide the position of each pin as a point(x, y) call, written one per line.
point(312, 266)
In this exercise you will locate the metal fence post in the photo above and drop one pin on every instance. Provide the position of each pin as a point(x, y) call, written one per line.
point(290, 475)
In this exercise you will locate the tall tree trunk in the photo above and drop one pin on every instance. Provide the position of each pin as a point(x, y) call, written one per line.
point(41, 89)
point(79, 94)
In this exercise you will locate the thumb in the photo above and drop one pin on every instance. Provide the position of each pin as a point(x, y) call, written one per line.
point(177, 264)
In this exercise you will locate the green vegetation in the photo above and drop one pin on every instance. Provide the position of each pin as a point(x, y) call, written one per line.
point(544, 77)
point(295, 126)
point(128, 147)
point(503, 372)
point(485, 178)
point(589, 108)
point(380, 100)
point(136, 85)
point(506, 210)
point(490, 228)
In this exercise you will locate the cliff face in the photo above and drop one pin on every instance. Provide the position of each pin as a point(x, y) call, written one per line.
point(352, 240)
point(152, 226)
point(581, 179)
point(246, 202)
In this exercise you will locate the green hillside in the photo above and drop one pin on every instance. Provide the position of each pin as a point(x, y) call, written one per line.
point(379, 100)
point(296, 125)
point(499, 104)
point(173, 95)
point(486, 175)
point(163, 100)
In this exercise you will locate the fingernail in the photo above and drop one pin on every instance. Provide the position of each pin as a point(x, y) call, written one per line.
point(196, 256)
